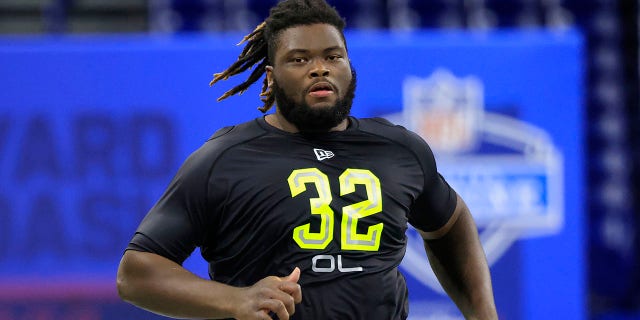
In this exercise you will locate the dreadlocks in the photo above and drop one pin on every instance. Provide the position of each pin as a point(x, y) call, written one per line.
point(262, 42)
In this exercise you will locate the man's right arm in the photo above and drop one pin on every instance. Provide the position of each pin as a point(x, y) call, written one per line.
point(157, 284)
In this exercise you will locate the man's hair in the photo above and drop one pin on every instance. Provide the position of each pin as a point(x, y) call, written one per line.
point(261, 44)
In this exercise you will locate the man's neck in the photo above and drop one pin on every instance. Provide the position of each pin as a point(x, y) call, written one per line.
point(279, 121)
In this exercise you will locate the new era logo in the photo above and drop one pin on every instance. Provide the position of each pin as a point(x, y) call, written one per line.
point(323, 154)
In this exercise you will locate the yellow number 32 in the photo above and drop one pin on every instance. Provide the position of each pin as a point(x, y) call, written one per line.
point(350, 239)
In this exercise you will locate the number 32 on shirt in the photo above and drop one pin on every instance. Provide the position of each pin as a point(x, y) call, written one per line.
point(350, 239)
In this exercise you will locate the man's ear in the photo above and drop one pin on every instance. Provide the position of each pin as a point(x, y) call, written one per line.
point(269, 70)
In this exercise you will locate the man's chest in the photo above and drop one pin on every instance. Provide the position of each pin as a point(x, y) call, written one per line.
point(317, 193)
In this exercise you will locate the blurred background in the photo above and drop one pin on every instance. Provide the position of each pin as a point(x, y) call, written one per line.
point(610, 110)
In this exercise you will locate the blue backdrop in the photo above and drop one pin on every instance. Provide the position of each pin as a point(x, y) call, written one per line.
point(93, 128)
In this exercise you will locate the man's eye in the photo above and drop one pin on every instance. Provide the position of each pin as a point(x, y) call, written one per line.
point(299, 60)
point(333, 57)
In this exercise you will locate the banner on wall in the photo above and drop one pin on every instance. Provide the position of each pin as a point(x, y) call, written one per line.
point(508, 171)
point(92, 130)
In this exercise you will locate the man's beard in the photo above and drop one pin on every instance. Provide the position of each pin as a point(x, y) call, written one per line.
point(313, 120)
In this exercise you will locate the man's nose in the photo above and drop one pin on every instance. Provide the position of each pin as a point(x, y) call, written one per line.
point(319, 70)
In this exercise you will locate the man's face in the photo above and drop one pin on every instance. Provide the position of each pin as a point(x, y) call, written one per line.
point(311, 77)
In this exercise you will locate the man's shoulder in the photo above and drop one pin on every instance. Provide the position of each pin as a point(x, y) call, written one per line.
point(385, 128)
point(376, 122)
point(239, 132)
point(228, 137)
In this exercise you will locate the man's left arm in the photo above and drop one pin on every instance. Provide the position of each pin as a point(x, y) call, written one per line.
point(459, 262)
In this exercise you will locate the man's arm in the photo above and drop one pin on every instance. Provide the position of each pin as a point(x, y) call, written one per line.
point(162, 286)
point(458, 260)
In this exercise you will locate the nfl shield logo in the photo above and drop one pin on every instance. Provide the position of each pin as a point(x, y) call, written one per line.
point(446, 111)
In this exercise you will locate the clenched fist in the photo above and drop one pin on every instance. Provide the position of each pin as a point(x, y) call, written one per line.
point(271, 295)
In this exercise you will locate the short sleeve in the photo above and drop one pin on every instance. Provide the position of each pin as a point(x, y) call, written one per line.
point(436, 204)
point(173, 227)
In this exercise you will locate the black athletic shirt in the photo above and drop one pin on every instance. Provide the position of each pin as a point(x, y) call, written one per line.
point(259, 201)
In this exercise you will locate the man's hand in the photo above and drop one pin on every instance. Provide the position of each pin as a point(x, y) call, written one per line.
point(277, 295)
